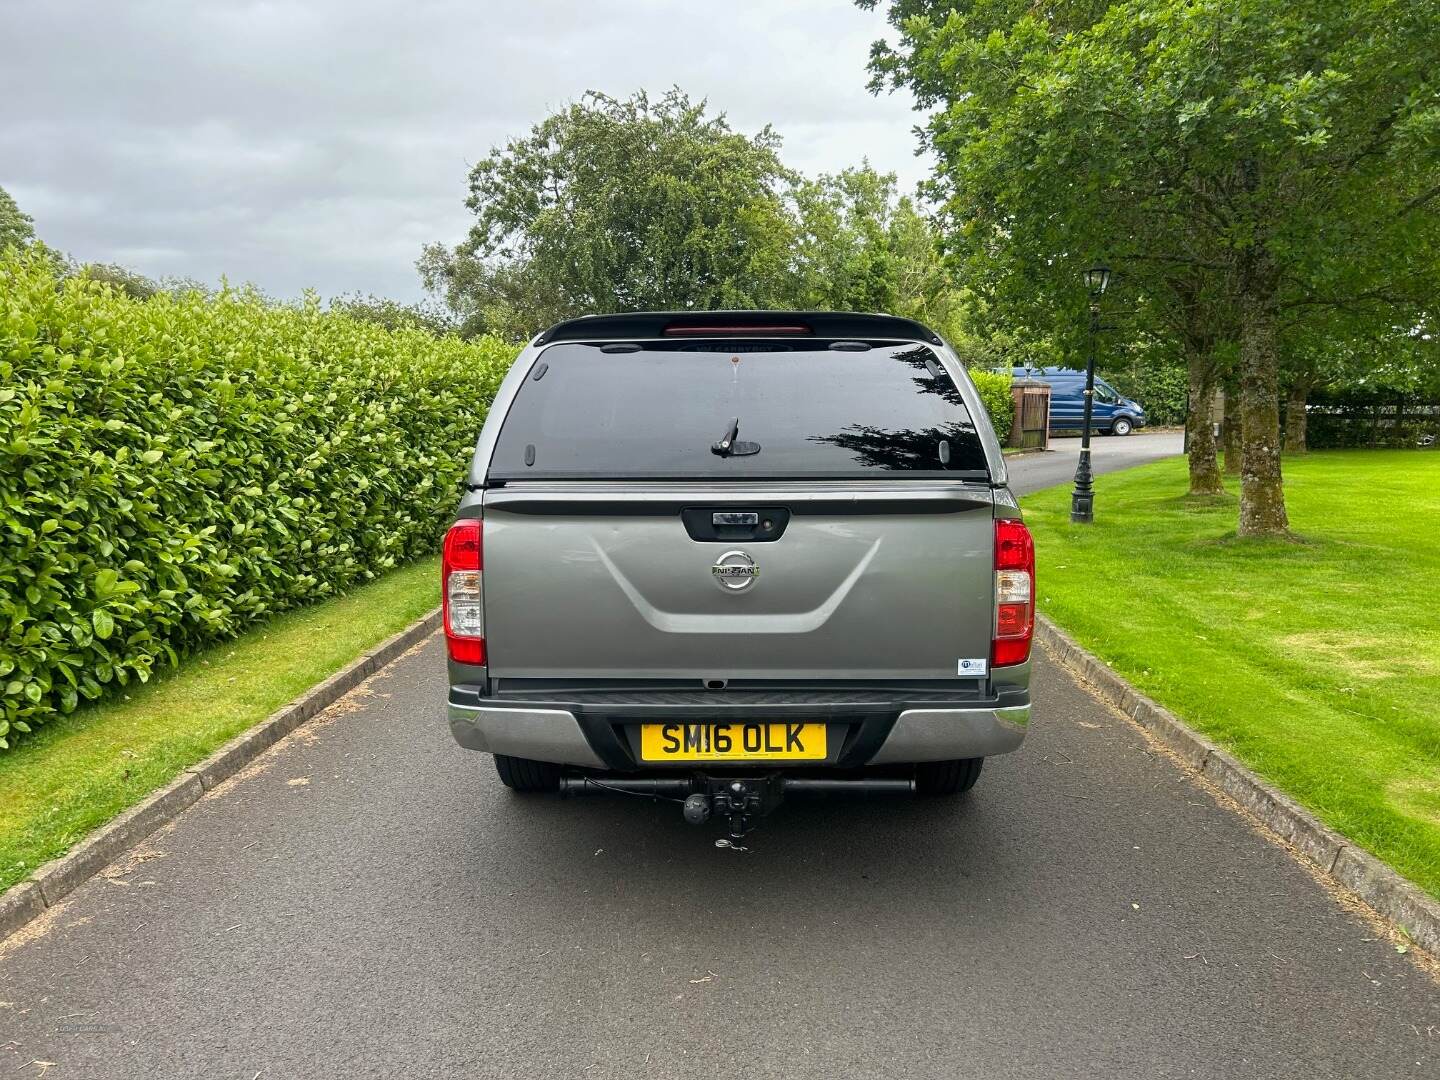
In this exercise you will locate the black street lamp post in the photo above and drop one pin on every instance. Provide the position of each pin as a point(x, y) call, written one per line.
point(1082, 500)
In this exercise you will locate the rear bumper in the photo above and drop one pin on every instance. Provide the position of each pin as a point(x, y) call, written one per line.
point(951, 734)
point(539, 734)
point(914, 735)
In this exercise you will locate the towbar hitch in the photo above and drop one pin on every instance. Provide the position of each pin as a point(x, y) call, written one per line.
point(740, 800)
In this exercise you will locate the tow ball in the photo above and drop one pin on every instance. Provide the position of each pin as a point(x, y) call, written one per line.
point(738, 800)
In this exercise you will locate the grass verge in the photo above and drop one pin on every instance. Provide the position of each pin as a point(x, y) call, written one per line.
point(1316, 662)
point(79, 771)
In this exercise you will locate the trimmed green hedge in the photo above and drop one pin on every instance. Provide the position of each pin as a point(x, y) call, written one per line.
point(176, 469)
point(994, 390)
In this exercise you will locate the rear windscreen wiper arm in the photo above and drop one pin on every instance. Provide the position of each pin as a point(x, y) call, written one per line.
point(729, 446)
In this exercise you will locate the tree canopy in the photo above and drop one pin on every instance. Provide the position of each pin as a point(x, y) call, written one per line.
point(16, 226)
point(862, 246)
point(1241, 163)
point(612, 205)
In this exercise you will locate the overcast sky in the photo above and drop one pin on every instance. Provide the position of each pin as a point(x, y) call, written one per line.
point(320, 143)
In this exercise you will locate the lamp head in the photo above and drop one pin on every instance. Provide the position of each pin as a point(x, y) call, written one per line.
point(1097, 279)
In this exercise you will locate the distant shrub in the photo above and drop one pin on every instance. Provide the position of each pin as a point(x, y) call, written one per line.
point(120, 278)
point(393, 315)
point(1345, 419)
point(1160, 387)
point(995, 393)
point(176, 469)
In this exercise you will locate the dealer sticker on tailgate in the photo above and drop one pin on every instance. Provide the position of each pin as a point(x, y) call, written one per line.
point(732, 742)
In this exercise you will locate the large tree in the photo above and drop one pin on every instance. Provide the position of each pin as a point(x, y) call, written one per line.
point(620, 205)
point(1267, 153)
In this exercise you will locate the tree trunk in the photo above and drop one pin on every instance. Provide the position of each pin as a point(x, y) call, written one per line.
point(1295, 419)
point(1231, 428)
point(1262, 489)
point(1199, 428)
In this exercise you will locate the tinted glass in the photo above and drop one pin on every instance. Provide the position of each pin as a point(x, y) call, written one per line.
point(657, 412)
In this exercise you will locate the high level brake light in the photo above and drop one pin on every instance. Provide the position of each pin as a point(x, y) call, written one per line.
point(462, 592)
point(736, 330)
point(1014, 593)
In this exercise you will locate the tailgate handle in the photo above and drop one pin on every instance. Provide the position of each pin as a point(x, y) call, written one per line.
point(731, 518)
point(728, 525)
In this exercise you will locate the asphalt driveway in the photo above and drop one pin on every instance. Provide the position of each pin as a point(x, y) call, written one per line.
point(1030, 472)
point(368, 901)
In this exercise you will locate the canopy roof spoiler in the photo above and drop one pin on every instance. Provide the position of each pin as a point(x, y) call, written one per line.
point(641, 325)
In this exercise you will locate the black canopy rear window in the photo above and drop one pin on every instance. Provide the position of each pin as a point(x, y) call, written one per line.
point(664, 410)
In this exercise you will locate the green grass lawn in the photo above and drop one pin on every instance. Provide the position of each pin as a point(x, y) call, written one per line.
point(1317, 663)
point(78, 772)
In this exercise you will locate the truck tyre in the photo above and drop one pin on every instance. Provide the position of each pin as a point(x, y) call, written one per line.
point(947, 777)
point(1122, 426)
point(522, 774)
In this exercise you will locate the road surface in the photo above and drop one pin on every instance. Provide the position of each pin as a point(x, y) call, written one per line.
point(368, 901)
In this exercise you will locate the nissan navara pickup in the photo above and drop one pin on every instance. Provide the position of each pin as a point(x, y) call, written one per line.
point(723, 558)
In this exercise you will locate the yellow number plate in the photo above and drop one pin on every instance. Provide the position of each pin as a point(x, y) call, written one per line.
point(732, 742)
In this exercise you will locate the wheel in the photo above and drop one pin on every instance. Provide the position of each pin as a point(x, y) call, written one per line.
point(522, 774)
point(947, 777)
point(1121, 426)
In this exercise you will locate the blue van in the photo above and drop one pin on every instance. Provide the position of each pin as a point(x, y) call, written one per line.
point(1112, 414)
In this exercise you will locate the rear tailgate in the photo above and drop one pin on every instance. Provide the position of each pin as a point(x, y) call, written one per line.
point(609, 582)
point(797, 510)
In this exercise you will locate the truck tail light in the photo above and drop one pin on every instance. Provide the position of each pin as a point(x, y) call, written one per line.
point(462, 592)
point(1014, 593)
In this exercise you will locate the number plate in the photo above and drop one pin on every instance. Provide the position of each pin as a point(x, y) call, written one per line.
point(732, 742)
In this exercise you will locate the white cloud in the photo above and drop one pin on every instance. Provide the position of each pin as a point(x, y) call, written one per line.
point(319, 143)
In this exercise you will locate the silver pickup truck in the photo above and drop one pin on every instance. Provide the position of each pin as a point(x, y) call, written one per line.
point(723, 557)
